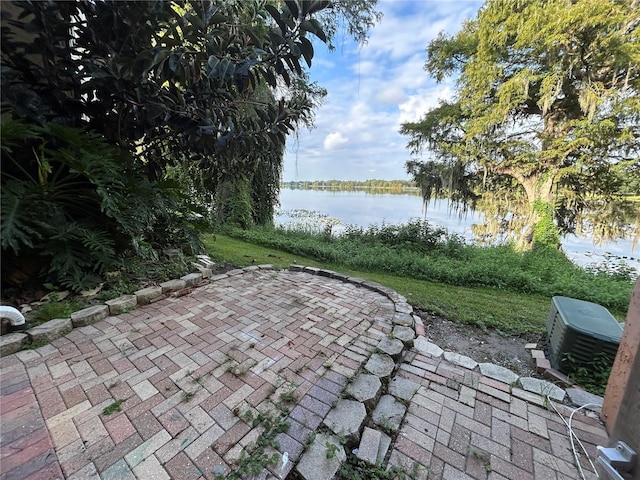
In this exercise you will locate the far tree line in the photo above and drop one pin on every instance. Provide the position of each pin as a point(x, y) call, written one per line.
point(629, 188)
point(394, 186)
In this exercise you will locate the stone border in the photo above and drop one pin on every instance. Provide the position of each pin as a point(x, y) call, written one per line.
point(58, 327)
point(368, 417)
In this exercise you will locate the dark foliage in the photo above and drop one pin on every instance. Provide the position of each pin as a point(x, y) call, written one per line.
point(112, 96)
point(161, 76)
point(72, 205)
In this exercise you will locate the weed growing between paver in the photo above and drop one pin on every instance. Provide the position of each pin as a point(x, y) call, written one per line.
point(187, 396)
point(264, 452)
point(332, 449)
point(354, 469)
point(385, 425)
point(114, 407)
point(289, 397)
point(310, 439)
point(482, 456)
point(114, 384)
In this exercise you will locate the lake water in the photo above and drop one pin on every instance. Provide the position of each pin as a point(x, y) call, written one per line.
point(364, 209)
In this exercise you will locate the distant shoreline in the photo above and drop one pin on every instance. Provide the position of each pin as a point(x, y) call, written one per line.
point(371, 186)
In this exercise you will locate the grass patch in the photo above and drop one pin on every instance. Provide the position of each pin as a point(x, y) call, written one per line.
point(224, 248)
point(54, 309)
point(510, 312)
point(417, 251)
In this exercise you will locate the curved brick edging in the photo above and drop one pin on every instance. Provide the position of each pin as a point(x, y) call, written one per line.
point(403, 317)
point(59, 327)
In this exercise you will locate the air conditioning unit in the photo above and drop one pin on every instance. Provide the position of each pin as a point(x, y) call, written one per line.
point(581, 330)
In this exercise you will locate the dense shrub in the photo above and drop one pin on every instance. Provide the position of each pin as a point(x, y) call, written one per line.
point(72, 206)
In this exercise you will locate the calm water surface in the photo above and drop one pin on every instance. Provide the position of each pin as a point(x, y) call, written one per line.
point(364, 209)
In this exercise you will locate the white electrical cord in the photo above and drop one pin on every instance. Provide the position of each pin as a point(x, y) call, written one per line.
point(573, 435)
point(581, 445)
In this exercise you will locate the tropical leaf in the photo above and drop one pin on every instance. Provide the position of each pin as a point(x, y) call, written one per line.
point(16, 216)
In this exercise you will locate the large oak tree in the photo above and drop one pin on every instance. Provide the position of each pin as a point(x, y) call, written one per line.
point(543, 131)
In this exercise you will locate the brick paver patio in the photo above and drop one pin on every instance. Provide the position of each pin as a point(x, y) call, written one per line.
point(186, 369)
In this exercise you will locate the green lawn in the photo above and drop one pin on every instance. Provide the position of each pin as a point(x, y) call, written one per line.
point(507, 312)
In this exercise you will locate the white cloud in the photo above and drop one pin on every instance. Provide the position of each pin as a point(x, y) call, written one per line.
point(413, 109)
point(408, 26)
point(365, 67)
point(417, 105)
point(319, 62)
point(391, 95)
point(334, 141)
point(371, 91)
point(361, 109)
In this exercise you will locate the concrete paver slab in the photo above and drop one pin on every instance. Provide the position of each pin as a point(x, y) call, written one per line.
point(323, 459)
point(542, 387)
point(460, 360)
point(366, 389)
point(581, 398)
point(346, 419)
point(499, 373)
point(424, 346)
point(402, 388)
point(380, 364)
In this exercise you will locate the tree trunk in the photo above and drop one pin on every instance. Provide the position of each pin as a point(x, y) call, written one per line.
point(541, 230)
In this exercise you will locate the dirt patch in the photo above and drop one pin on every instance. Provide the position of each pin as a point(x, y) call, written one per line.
point(481, 345)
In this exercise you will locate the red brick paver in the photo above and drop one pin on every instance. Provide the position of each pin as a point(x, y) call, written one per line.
point(26, 448)
point(483, 432)
point(191, 372)
point(184, 368)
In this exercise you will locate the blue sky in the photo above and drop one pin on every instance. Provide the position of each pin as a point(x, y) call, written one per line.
point(372, 89)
